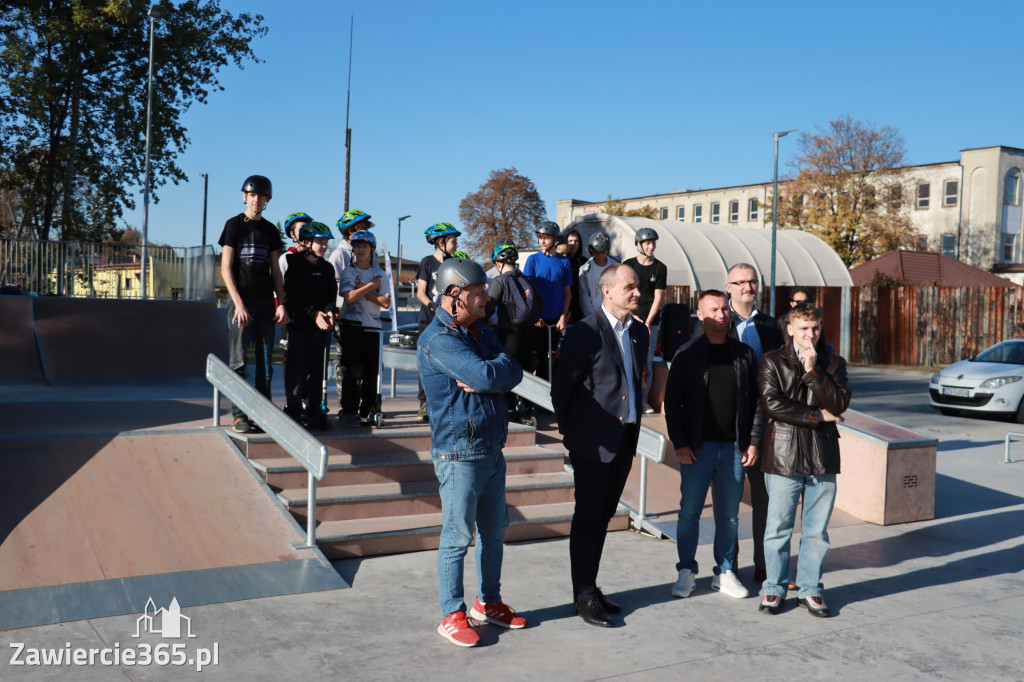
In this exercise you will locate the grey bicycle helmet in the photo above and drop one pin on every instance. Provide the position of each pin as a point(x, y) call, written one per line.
point(646, 234)
point(548, 227)
point(459, 273)
point(598, 242)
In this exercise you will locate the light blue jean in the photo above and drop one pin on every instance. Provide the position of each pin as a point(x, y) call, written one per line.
point(719, 464)
point(472, 496)
point(649, 368)
point(819, 493)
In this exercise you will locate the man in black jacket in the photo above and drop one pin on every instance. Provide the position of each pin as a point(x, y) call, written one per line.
point(714, 422)
point(803, 395)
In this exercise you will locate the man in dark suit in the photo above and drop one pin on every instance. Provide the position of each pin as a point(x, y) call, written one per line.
point(596, 393)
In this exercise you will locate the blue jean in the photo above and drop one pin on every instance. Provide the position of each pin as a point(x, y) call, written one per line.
point(719, 464)
point(819, 493)
point(472, 496)
point(649, 367)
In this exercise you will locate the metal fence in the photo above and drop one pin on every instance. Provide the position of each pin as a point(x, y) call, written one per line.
point(108, 270)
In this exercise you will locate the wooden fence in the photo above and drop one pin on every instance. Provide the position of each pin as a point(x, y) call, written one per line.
point(910, 325)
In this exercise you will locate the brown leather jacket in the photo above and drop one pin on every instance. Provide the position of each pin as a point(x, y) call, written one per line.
point(796, 440)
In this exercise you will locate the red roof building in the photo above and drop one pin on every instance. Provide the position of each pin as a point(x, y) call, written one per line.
point(925, 267)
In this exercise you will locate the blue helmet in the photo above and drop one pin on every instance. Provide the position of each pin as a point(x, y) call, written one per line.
point(314, 230)
point(351, 218)
point(434, 232)
point(298, 215)
point(505, 253)
point(363, 236)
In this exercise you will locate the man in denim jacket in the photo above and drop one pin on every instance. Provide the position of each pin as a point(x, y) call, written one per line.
point(465, 374)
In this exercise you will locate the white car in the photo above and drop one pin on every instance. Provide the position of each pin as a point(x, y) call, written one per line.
point(991, 382)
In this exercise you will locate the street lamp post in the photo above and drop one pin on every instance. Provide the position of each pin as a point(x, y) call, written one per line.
point(775, 214)
point(398, 277)
point(155, 12)
point(206, 187)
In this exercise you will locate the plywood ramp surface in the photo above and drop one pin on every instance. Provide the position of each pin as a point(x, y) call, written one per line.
point(100, 508)
point(19, 353)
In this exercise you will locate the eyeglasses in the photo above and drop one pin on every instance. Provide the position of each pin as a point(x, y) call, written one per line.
point(798, 300)
point(750, 282)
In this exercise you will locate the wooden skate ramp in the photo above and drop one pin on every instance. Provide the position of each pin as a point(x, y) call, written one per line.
point(94, 526)
point(123, 340)
point(19, 353)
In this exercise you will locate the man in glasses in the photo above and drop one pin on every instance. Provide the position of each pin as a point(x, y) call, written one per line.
point(762, 333)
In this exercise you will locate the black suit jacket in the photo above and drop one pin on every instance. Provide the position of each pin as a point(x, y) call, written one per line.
point(590, 390)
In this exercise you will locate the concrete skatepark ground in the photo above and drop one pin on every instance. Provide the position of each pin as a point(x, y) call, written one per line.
point(940, 599)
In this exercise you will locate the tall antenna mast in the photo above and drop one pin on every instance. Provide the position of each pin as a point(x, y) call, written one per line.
point(348, 98)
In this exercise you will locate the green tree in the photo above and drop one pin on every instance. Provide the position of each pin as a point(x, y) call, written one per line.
point(73, 79)
point(848, 190)
point(507, 205)
point(618, 207)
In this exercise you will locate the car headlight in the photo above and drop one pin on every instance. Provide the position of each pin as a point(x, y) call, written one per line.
point(996, 382)
point(936, 377)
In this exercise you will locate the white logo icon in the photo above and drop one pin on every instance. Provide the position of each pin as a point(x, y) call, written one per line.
point(164, 622)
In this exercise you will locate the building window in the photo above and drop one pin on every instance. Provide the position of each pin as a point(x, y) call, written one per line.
point(923, 192)
point(1011, 191)
point(715, 210)
point(922, 243)
point(734, 211)
point(949, 245)
point(1009, 241)
point(752, 206)
point(664, 214)
point(698, 213)
point(680, 213)
point(951, 194)
point(128, 282)
point(896, 197)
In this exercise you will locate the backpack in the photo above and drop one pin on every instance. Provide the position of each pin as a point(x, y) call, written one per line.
point(522, 302)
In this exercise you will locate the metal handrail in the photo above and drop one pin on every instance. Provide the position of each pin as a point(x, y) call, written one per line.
point(651, 444)
point(1016, 435)
point(297, 441)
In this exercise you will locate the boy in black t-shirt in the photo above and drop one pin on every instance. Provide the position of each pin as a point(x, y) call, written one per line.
point(311, 289)
point(445, 239)
point(252, 275)
point(653, 281)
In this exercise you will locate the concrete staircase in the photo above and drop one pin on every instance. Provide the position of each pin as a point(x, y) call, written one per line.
point(380, 495)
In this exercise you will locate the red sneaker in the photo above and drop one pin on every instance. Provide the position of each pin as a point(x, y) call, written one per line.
point(455, 628)
point(499, 613)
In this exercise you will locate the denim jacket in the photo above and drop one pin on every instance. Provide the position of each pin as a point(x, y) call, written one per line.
point(463, 425)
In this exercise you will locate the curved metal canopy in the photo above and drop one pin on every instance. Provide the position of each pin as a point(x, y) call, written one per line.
point(699, 255)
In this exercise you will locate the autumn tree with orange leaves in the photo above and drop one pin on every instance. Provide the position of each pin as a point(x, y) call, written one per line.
point(848, 190)
point(507, 205)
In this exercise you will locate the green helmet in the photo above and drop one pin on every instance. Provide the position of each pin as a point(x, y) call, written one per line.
point(351, 218)
point(314, 230)
point(298, 215)
point(505, 253)
point(438, 230)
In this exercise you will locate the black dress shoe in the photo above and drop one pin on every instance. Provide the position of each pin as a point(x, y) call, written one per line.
point(815, 605)
point(592, 612)
point(607, 604)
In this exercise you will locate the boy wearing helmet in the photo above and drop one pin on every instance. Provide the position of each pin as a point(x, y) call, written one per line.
point(252, 275)
point(551, 274)
point(445, 240)
point(292, 224)
point(466, 373)
point(590, 272)
point(311, 289)
point(653, 280)
point(365, 290)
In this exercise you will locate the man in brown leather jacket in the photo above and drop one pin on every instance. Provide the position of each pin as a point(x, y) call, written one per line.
point(803, 395)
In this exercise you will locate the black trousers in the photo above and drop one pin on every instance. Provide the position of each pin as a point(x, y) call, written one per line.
point(599, 486)
point(360, 355)
point(759, 517)
point(304, 369)
point(518, 341)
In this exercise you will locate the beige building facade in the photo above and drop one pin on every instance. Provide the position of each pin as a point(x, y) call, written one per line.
point(969, 209)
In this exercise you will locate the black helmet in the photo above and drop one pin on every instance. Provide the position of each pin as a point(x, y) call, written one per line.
point(548, 227)
point(505, 253)
point(598, 242)
point(646, 234)
point(258, 184)
point(460, 273)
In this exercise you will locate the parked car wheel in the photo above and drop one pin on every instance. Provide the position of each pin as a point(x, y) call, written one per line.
point(1020, 412)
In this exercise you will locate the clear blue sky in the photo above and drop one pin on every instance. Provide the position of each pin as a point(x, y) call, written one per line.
point(585, 98)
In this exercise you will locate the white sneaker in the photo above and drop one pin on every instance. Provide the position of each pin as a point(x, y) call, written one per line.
point(726, 582)
point(684, 586)
point(648, 409)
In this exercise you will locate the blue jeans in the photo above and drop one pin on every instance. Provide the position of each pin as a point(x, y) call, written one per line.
point(784, 492)
point(649, 367)
point(722, 465)
point(472, 496)
point(260, 330)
